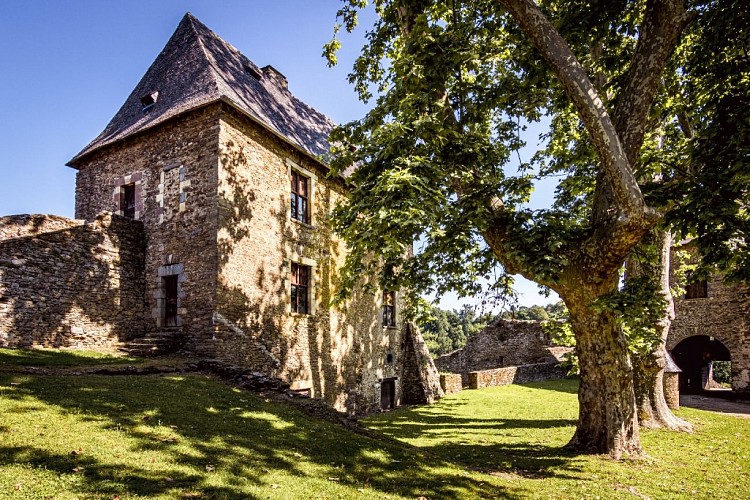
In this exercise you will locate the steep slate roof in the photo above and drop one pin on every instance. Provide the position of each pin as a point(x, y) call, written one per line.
point(196, 68)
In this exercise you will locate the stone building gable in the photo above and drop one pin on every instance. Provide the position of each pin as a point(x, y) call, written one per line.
point(202, 153)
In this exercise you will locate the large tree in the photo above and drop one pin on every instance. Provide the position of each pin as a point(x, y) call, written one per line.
point(454, 82)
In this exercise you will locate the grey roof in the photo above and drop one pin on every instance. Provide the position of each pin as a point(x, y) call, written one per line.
point(196, 68)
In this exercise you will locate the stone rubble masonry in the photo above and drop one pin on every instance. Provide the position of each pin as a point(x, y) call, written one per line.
point(420, 378)
point(722, 315)
point(503, 343)
point(451, 382)
point(174, 167)
point(340, 352)
point(66, 283)
point(212, 192)
point(522, 374)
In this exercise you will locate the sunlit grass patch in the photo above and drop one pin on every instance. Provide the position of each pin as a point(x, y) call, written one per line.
point(60, 357)
point(518, 432)
point(159, 437)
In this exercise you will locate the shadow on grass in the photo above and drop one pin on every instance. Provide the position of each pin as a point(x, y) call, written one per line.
point(488, 432)
point(221, 443)
point(51, 357)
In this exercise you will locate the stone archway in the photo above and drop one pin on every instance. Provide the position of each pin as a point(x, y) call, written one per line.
point(694, 356)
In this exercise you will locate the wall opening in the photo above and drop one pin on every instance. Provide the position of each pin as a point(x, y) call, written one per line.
point(388, 394)
point(695, 356)
point(170, 300)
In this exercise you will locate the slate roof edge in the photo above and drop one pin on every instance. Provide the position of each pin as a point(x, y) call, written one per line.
point(77, 159)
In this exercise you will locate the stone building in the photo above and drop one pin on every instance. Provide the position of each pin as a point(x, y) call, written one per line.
point(219, 237)
point(711, 324)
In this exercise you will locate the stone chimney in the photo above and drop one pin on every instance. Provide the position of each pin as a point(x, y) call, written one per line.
point(275, 75)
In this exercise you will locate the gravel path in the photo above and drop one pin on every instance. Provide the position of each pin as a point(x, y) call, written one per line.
point(713, 403)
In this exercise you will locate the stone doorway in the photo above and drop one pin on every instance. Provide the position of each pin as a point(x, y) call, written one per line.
point(388, 394)
point(695, 356)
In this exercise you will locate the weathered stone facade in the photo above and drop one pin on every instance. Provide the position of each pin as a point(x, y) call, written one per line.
point(522, 374)
point(201, 156)
point(504, 343)
point(712, 328)
point(66, 283)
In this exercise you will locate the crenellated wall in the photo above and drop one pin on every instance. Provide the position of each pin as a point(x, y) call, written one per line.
point(65, 283)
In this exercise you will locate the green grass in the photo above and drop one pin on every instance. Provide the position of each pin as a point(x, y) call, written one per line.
point(60, 357)
point(191, 436)
point(518, 433)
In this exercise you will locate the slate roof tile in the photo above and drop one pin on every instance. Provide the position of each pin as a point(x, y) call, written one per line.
point(197, 67)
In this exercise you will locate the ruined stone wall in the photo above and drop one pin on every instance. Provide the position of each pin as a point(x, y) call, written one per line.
point(522, 374)
point(64, 283)
point(341, 353)
point(722, 315)
point(16, 226)
point(504, 343)
point(173, 167)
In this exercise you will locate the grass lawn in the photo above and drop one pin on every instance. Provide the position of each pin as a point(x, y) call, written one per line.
point(517, 433)
point(195, 437)
point(60, 357)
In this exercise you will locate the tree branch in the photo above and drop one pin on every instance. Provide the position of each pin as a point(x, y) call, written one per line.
point(589, 105)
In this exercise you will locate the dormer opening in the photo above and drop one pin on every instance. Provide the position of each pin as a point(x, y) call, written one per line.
point(252, 71)
point(148, 100)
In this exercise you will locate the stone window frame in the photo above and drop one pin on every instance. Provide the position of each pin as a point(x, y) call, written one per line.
point(312, 183)
point(160, 294)
point(136, 180)
point(183, 185)
point(389, 306)
point(312, 304)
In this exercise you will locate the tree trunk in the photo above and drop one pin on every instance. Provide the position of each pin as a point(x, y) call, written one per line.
point(648, 368)
point(607, 422)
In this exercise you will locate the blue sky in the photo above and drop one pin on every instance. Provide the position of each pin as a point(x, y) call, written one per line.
point(66, 67)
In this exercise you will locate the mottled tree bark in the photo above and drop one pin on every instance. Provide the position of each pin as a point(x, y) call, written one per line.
point(648, 368)
point(607, 422)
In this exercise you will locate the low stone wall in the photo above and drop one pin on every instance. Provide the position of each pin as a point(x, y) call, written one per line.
point(64, 283)
point(451, 383)
point(516, 375)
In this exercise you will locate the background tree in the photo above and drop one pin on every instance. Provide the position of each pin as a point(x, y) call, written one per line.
point(445, 331)
point(455, 82)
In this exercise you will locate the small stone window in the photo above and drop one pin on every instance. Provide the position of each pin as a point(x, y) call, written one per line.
point(252, 71)
point(697, 290)
point(300, 288)
point(127, 201)
point(300, 197)
point(389, 308)
point(389, 358)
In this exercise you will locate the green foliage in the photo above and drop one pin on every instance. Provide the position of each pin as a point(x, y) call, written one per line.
point(445, 331)
point(723, 372)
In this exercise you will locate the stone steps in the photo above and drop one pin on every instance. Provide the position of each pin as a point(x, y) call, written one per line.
point(154, 344)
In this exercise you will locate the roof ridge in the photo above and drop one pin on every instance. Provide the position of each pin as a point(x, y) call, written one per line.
point(193, 20)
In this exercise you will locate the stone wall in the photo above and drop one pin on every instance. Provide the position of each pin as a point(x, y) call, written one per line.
point(504, 343)
point(522, 374)
point(451, 383)
point(723, 315)
point(174, 168)
point(341, 353)
point(420, 378)
point(64, 283)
